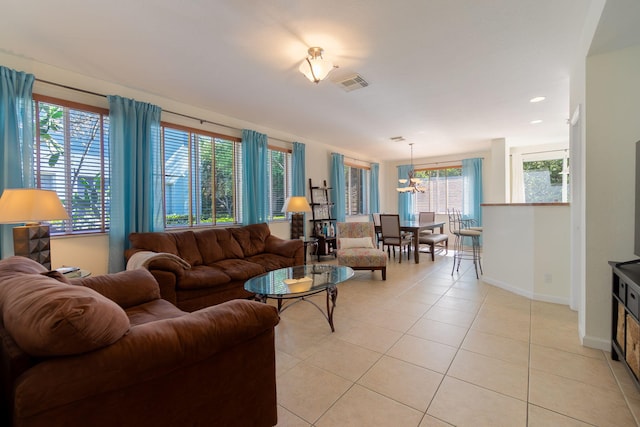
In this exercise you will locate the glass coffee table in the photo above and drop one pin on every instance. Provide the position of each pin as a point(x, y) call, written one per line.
point(294, 284)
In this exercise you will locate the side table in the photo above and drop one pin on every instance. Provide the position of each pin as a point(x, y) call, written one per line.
point(74, 272)
point(313, 242)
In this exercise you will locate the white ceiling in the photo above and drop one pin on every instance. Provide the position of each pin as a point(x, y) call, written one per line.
point(447, 75)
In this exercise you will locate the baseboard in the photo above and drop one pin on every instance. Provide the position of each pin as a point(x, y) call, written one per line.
point(531, 295)
point(595, 342)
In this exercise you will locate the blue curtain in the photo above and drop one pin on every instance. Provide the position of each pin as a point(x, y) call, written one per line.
point(298, 169)
point(338, 187)
point(374, 190)
point(405, 200)
point(16, 140)
point(136, 179)
point(472, 189)
point(255, 177)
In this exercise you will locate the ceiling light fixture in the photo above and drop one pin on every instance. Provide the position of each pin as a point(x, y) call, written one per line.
point(314, 67)
point(537, 99)
point(414, 184)
point(535, 122)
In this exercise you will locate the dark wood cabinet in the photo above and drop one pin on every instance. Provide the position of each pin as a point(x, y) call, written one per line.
point(324, 226)
point(625, 311)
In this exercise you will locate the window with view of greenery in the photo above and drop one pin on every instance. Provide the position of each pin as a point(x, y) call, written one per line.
point(202, 170)
point(544, 181)
point(202, 173)
point(279, 182)
point(200, 177)
point(356, 190)
point(443, 190)
point(71, 157)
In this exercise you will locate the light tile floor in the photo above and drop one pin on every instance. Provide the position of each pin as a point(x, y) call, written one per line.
point(426, 348)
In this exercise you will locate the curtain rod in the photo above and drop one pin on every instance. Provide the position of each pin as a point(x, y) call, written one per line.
point(202, 121)
point(358, 160)
point(542, 152)
point(445, 161)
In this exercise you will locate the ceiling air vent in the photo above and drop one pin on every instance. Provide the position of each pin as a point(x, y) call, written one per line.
point(353, 82)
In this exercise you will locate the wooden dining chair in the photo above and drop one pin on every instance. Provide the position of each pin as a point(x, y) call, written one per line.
point(392, 236)
point(376, 226)
point(430, 238)
point(426, 218)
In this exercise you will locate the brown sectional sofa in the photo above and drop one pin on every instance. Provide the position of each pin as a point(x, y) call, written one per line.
point(218, 261)
point(108, 351)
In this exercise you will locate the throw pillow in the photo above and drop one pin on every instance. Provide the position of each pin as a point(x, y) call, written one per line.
point(55, 274)
point(49, 318)
point(355, 242)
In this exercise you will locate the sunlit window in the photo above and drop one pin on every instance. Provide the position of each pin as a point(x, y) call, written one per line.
point(72, 158)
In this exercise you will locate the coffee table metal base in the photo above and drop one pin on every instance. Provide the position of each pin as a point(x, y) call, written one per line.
point(285, 302)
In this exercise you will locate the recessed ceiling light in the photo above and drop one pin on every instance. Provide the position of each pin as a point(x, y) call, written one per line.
point(537, 99)
point(535, 122)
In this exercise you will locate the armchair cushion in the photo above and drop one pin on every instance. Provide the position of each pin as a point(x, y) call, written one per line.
point(362, 257)
point(356, 242)
point(356, 249)
point(49, 318)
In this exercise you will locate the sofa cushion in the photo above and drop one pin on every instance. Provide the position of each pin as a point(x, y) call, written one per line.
point(272, 261)
point(154, 241)
point(239, 269)
point(125, 288)
point(252, 238)
point(19, 264)
point(202, 276)
point(49, 318)
point(187, 247)
point(216, 244)
point(151, 311)
point(55, 274)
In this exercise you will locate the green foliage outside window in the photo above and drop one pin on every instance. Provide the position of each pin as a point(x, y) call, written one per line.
point(543, 181)
point(71, 162)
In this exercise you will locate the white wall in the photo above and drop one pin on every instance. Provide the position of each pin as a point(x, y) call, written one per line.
point(526, 250)
point(612, 129)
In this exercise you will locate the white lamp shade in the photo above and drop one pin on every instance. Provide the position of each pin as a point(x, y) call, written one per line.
point(19, 205)
point(296, 204)
point(315, 69)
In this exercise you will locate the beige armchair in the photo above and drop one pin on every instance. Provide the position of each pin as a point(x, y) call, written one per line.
point(357, 248)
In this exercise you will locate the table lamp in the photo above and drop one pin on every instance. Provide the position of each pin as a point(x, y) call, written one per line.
point(31, 205)
point(297, 205)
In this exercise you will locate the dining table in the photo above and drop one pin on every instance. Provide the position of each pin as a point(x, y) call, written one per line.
point(416, 227)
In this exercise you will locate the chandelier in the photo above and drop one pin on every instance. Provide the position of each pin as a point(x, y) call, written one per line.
point(314, 67)
point(414, 184)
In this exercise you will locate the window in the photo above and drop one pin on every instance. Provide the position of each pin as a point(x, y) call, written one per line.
point(72, 158)
point(356, 179)
point(200, 176)
point(443, 189)
point(279, 181)
point(546, 177)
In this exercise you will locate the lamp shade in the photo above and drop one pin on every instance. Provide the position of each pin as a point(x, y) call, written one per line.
point(314, 67)
point(296, 204)
point(30, 205)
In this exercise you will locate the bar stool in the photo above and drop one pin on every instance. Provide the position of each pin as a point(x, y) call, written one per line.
point(460, 229)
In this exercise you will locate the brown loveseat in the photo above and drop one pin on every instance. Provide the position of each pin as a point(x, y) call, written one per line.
point(107, 351)
point(209, 266)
